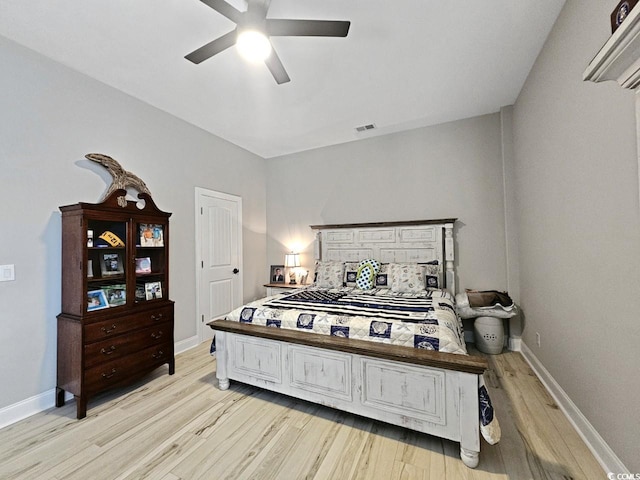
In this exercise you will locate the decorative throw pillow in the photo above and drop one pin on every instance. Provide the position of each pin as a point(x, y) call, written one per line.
point(329, 274)
point(382, 277)
point(350, 273)
point(367, 270)
point(407, 278)
point(432, 275)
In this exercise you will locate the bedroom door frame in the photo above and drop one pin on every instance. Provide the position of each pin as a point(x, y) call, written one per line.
point(201, 222)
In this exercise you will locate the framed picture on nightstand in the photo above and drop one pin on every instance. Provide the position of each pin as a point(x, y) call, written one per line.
point(277, 274)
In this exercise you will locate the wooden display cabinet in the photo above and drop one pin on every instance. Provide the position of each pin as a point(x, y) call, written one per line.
point(116, 323)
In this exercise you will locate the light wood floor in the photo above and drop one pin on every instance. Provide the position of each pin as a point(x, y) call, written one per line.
point(183, 427)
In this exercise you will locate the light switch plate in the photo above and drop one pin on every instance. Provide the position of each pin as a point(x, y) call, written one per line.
point(7, 273)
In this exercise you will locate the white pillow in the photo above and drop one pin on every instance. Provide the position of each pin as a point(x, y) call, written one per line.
point(407, 277)
point(329, 274)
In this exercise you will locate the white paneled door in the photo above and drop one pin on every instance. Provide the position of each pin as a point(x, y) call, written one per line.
point(219, 252)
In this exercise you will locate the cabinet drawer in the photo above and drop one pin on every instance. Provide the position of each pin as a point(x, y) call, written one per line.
point(106, 375)
point(121, 345)
point(117, 325)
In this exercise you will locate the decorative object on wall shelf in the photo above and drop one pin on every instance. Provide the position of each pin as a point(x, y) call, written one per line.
point(121, 178)
point(277, 274)
point(621, 12)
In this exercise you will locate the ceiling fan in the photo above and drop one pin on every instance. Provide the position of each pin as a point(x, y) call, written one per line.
point(254, 24)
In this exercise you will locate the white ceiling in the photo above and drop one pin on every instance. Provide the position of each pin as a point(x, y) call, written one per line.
point(404, 64)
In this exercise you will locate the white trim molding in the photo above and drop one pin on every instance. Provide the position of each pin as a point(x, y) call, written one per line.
point(29, 406)
point(186, 344)
point(515, 344)
point(606, 457)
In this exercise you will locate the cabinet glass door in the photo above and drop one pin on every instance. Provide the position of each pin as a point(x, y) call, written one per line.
point(106, 267)
point(150, 262)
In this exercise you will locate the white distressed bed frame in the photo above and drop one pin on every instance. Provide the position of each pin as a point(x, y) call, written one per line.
point(430, 392)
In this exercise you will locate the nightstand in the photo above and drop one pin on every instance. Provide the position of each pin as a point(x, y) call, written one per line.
point(276, 288)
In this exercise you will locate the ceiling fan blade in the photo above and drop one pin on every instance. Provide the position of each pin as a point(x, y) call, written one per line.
point(212, 48)
point(276, 68)
point(307, 28)
point(257, 9)
point(223, 8)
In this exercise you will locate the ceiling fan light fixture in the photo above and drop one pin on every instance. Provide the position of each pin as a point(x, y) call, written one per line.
point(253, 46)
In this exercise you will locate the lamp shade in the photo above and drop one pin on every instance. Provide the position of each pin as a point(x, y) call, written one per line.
point(292, 260)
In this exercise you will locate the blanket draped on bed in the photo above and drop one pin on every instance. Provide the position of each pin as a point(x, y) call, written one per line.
point(426, 320)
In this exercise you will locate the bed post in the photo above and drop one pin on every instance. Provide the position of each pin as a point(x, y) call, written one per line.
point(317, 247)
point(222, 355)
point(449, 257)
point(469, 423)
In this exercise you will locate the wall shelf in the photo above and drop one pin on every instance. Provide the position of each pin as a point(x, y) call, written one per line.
point(619, 58)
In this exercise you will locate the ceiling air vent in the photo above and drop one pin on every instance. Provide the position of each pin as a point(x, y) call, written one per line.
point(365, 128)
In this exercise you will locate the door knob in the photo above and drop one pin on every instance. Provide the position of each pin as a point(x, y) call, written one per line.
point(236, 271)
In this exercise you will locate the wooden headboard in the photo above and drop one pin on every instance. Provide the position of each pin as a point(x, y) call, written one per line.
point(390, 242)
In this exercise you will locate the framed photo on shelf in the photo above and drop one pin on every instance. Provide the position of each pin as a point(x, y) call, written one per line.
point(153, 290)
point(151, 235)
point(116, 295)
point(143, 265)
point(111, 264)
point(96, 300)
point(141, 296)
point(277, 274)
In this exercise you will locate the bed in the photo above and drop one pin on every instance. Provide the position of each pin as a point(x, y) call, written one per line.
point(376, 335)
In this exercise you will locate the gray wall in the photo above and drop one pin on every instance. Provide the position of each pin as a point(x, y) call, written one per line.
point(449, 170)
point(576, 177)
point(50, 117)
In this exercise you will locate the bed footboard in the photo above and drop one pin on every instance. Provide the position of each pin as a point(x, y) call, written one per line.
point(429, 392)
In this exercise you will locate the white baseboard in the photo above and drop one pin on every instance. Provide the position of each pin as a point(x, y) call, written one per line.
point(186, 344)
point(515, 344)
point(30, 406)
point(43, 401)
point(608, 460)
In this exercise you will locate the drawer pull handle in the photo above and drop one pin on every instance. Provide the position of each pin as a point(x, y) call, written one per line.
point(109, 330)
point(156, 317)
point(108, 351)
point(106, 376)
point(157, 335)
point(158, 355)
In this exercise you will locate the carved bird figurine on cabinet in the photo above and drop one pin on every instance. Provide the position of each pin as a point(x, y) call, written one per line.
point(121, 178)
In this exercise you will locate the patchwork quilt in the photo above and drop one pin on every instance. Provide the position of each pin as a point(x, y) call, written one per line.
point(426, 320)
